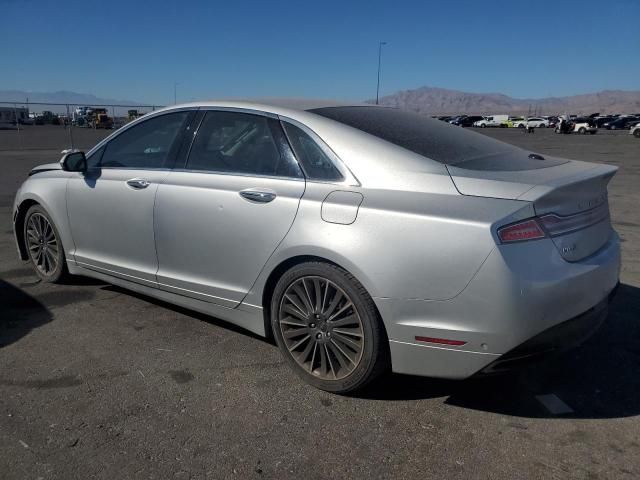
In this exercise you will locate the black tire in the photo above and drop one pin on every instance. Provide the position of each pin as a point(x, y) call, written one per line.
point(637, 133)
point(483, 125)
point(542, 125)
point(374, 356)
point(56, 274)
point(521, 125)
point(582, 131)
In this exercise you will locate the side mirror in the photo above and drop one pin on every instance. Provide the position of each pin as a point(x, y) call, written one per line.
point(74, 162)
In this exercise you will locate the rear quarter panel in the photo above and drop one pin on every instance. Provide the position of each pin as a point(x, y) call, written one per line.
point(411, 245)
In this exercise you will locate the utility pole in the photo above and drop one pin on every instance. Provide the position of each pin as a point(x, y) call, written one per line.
point(70, 126)
point(380, 44)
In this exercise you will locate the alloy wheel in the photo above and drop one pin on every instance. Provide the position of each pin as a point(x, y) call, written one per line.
point(42, 243)
point(321, 327)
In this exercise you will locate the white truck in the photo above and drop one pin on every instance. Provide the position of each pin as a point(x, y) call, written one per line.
point(492, 121)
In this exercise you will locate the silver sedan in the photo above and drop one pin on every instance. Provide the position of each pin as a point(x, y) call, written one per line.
point(361, 238)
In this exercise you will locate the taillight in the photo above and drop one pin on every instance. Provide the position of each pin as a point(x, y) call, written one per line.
point(518, 232)
point(559, 225)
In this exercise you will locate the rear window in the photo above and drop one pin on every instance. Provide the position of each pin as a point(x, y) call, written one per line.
point(425, 136)
point(436, 140)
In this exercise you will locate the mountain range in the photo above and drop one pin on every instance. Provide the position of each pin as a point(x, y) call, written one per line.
point(432, 101)
point(426, 100)
point(64, 97)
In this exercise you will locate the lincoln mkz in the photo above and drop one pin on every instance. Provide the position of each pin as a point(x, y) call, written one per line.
point(361, 238)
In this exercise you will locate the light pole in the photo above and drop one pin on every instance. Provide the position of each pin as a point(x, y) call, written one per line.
point(379, 63)
point(175, 92)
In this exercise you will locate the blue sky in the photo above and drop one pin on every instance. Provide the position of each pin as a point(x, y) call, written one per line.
point(325, 49)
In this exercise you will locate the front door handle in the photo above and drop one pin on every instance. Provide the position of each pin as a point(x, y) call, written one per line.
point(258, 196)
point(138, 183)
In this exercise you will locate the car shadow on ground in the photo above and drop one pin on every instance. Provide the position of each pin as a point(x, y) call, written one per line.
point(597, 380)
point(20, 313)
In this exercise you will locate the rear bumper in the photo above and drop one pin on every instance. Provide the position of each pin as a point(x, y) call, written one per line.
point(520, 293)
point(562, 337)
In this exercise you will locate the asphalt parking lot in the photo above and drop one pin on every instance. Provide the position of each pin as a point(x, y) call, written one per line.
point(98, 382)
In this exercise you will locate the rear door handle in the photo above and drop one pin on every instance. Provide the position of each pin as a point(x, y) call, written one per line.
point(258, 196)
point(138, 183)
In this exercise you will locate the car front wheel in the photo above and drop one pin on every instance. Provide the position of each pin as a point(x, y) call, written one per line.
point(44, 247)
point(327, 327)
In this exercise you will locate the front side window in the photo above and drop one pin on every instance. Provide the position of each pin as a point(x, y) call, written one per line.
point(243, 144)
point(150, 144)
point(93, 160)
point(316, 163)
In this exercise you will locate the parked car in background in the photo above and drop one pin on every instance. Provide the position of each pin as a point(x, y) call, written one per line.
point(537, 122)
point(515, 122)
point(621, 123)
point(468, 121)
point(492, 121)
point(600, 121)
point(362, 238)
point(531, 122)
point(635, 130)
point(584, 125)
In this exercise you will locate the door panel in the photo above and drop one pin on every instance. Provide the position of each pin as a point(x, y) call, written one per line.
point(110, 207)
point(112, 222)
point(212, 242)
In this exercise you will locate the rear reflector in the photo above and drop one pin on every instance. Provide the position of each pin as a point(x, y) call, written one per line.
point(441, 341)
point(517, 232)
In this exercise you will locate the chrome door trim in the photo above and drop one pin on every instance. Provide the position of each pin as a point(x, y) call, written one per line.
point(112, 273)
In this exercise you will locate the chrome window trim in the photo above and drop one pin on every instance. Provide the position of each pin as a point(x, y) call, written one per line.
point(249, 111)
point(134, 168)
point(349, 179)
point(237, 174)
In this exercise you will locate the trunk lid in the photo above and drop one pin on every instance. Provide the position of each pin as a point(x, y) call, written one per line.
point(569, 196)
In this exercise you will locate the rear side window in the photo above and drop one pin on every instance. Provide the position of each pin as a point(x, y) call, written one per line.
point(147, 145)
point(244, 144)
point(317, 165)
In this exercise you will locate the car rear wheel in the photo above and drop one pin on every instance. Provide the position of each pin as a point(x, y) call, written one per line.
point(42, 241)
point(637, 133)
point(327, 327)
point(542, 125)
